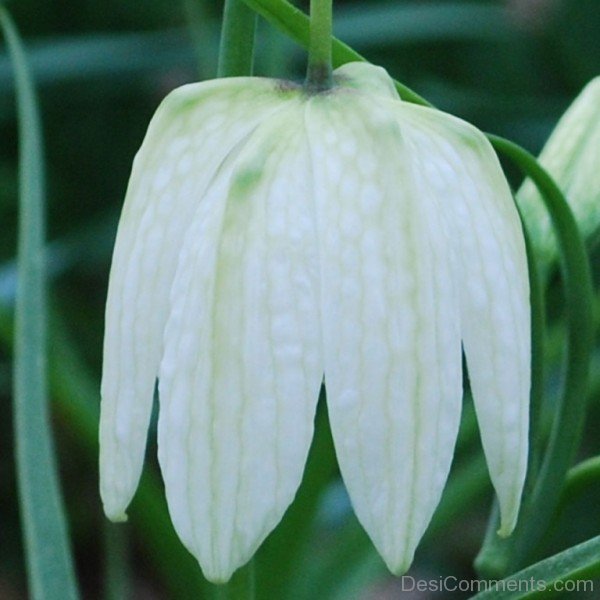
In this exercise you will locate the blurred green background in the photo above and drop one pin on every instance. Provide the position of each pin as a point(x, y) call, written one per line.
point(509, 66)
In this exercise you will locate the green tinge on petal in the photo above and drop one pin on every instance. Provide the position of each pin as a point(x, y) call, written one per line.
point(459, 163)
point(572, 156)
point(193, 131)
point(242, 368)
point(390, 320)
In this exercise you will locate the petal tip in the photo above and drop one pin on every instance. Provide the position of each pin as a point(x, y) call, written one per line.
point(508, 523)
point(399, 564)
point(505, 530)
point(116, 516)
point(220, 574)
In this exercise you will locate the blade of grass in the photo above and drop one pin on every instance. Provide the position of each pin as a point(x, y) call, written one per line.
point(547, 578)
point(48, 556)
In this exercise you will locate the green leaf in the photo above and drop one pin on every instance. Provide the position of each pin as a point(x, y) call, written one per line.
point(49, 564)
point(580, 563)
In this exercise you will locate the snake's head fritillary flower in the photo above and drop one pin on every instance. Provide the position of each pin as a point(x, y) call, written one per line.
point(271, 238)
point(572, 156)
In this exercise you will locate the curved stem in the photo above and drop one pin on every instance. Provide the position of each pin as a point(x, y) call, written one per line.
point(236, 49)
point(538, 344)
point(318, 76)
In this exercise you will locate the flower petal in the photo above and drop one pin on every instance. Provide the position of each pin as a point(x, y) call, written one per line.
point(462, 168)
point(366, 78)
point(571, 155)
point(390, 320)
point(193, 131)
point(242, 367)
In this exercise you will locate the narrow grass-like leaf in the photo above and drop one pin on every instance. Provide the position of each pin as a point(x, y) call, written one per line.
point(49, 564)
point(579, 565)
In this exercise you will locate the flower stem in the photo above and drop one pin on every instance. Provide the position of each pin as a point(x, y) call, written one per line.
point(236, 49)
point(291, 21)
point(318, 76)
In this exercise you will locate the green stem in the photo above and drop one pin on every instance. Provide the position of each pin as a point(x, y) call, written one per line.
point(50, 568)
point(538, 344)
point(318, 76)
point(295, 24)
point(240, 587)
point(498, 556)
point(236, 50)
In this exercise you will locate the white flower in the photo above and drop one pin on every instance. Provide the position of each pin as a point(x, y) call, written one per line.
point(572, 156)
point(271, 238)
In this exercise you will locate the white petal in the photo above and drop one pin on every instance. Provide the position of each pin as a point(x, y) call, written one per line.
point(192, 132)
point(242, 368)
point(367, 78)
point(390, 321)
point(464, 170)
point(571, 155)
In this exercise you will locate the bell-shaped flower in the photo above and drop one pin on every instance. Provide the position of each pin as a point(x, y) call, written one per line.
point(271, 238)
point(572, 156)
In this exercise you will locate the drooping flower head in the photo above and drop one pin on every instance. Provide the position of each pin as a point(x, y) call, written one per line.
point(271, 238)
